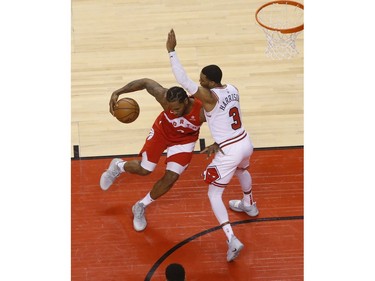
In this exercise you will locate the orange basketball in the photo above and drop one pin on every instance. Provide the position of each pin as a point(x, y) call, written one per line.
point(126, 110)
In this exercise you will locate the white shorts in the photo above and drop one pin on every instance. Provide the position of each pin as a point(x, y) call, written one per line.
point(222, 168)
point(178, 157)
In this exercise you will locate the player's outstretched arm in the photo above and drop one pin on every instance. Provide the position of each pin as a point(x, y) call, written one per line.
point(181, 77)
point(177, 68)
point(152, 87)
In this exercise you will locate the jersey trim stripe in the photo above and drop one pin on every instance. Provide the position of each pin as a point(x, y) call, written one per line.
point(219, 184)
point(233, 140)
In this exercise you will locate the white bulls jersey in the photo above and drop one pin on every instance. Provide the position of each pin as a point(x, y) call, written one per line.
point(224, 120)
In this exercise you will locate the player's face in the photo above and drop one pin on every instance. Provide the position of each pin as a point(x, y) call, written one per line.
point(205, 83)
point(178, 108)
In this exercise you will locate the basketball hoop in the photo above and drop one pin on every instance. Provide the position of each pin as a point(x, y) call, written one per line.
point(281, 21)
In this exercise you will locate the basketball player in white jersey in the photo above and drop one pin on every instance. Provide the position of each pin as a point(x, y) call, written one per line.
point(233, 146)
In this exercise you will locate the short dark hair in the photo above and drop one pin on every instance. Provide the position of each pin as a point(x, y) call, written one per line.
point(175, 272)
point(176, 94)
point(213, 73)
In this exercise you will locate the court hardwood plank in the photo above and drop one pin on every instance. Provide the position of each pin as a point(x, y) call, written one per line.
point(114, 42)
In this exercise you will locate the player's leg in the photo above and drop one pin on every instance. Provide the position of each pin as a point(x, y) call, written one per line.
point(161, 187)
point(234, 244)
point(246, 204)
point(218, 175)
point(164, 184)
point(151, 152)
point(178, 158)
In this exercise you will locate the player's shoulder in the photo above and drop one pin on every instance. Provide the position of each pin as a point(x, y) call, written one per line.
point(197, 101)
point(231, 86)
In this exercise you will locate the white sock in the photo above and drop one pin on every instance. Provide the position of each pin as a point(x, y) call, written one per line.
point(121, 165)
point(248, 199)
point(228, 231)
point(147, 200)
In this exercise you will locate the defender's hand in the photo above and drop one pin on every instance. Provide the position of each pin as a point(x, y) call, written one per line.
point(171, 41)
point(212, 149)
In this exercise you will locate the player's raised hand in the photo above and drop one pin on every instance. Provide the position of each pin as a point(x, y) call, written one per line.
point(171, 41)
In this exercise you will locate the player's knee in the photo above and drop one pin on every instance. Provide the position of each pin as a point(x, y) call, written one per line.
point(240, 171)
point(210, 194)
point(214, 192)
point(135, 167)
point(143, 172)
point(170, 177)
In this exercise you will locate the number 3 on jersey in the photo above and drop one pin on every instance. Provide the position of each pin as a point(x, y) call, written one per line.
point(234, 113)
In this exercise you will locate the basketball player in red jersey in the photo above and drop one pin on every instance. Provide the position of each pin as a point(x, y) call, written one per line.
point(176, 129)
point(222, 110)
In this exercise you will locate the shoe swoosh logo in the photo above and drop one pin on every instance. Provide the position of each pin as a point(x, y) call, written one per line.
point(235, 249)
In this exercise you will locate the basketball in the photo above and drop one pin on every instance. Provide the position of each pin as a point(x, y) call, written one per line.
point(126, 110)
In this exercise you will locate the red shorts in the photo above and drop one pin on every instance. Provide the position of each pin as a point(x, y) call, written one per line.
point(178, 155)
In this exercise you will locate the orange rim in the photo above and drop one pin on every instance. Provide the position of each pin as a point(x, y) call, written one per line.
point(282, 30)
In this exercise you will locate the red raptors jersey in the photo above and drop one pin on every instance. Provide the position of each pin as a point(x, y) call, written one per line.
point(180, 130)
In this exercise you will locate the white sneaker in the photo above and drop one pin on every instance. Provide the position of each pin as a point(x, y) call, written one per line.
point(238, 206)
point(234, 248)
point(139, 220)
point(109, 176)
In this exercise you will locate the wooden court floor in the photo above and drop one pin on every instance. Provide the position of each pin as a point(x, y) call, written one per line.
point(181, 226)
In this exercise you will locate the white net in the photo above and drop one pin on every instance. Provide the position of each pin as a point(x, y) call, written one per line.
point(279, 45)
point(281, 22)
